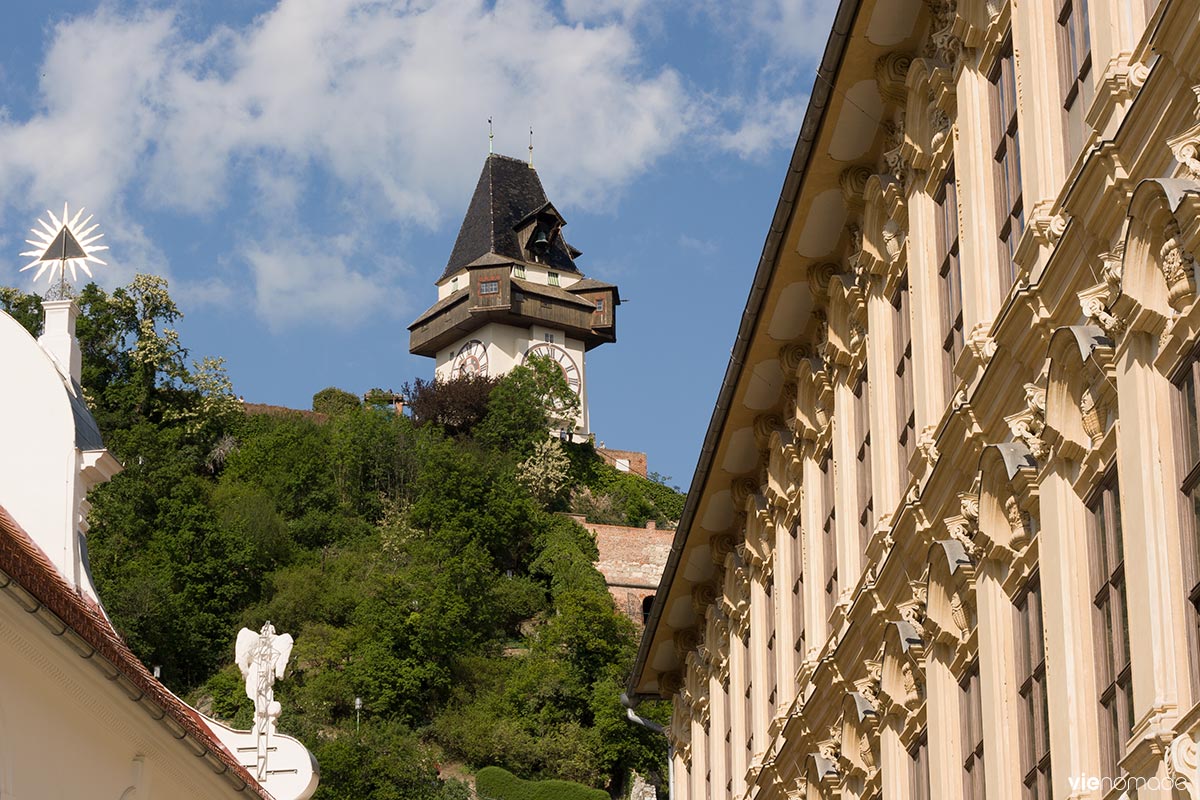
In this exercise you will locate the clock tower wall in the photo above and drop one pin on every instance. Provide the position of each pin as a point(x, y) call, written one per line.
point(495, 349)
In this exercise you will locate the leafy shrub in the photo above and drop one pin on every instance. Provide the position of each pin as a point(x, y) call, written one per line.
point(494, 783)
point(457, 405)
point(334, 401)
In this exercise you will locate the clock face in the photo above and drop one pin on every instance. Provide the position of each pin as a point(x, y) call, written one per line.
point(471, 360)
point(560, 357)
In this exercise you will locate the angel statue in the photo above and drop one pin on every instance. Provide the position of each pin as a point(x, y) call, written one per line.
point(263, 657)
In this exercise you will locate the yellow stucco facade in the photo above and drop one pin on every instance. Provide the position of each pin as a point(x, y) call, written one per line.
point(944, 539)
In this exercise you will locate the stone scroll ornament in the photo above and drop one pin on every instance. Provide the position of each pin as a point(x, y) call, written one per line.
point(263, 657)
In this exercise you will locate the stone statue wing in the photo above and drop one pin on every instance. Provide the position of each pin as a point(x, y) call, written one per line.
point(283, 645)
point(244, 649)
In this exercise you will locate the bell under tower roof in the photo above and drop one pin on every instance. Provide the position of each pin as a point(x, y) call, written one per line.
point(507, 195)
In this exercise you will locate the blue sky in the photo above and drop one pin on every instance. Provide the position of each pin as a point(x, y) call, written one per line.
point(298, 170)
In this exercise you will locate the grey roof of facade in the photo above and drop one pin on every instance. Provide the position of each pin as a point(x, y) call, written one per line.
point(87, 432)
point(551, 291)
point(508, 192)
point(441, 305)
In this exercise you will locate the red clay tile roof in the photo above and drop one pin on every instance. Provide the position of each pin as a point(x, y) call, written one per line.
point(22, 561)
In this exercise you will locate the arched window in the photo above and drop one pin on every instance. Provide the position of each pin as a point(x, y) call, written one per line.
point(647, 604)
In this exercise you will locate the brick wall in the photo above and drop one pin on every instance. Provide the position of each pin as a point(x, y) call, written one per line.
point(632, 562)
point(634, 460)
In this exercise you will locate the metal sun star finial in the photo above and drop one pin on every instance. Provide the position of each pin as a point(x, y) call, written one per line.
point(64, 243)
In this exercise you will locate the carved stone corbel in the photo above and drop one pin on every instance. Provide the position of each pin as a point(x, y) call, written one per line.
point(1028, 425)
point(1178, 268)
point(927, 447)
point(1185, 146)
point(831, 748)
point(1048, 228)
point(943, 44)
point(1183, 765)
point(1094, 303)
point(1113, 265)
point(939, 124)
point(981, 345)
point(894, 161)
point(891, 70)
point(853, 182)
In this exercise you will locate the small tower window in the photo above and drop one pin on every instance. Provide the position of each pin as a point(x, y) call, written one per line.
point(454, 284)
point(600, 306)
point(552, 277)
point(519, 271)
point(489, 287)
point(550, 338)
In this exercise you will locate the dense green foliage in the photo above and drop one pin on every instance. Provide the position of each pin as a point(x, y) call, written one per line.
point(495, 783)
point(419, 569)
point(333, 401)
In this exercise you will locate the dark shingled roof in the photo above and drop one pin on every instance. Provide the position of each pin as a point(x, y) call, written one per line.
point(441, 305)
point(508, 192)
point(554, 292)
point(87, 432)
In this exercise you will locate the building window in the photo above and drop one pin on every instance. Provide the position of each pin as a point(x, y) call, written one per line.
point(862, 439)
point(600, 306)
point(829, 533)
point(549, 337)
point(772, 672)
point(647, 604)
point(552, 278)
point(1034, 732)
point(971, 731)
point(454, 284)
point(1187, 444)
point(950, 277)
point(519, 271)
point(1006, 149)
point(798, 592)
point(747, 705)
point(489, 287)
point(1111, 623)
point(918, 754)
point(906, 420)
point(1075, 68)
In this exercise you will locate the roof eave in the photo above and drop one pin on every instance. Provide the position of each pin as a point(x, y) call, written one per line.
point(810, 128)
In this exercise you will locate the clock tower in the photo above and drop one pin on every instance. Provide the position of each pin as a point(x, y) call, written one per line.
point(511, 289)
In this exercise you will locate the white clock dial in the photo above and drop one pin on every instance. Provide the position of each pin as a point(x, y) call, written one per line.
point(561, 357)
point(471, 360)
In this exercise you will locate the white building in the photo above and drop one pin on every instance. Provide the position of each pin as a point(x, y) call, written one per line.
point(80, 716)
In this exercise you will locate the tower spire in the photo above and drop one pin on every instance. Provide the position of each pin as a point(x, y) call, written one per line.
point(491, 137)
point(531, 147)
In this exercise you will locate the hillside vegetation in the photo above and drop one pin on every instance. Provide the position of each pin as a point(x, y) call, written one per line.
point(418, 562)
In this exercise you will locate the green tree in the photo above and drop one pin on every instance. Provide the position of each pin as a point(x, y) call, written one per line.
point(528, 403)
point(333, 401)
point(24, 308)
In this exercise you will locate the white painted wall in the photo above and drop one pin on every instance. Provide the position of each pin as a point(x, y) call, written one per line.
point(506, 347)
point(534, 273)
point(39, 467)
point(68, 732)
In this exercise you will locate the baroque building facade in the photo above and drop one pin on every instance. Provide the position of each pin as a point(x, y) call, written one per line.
point(944, 537)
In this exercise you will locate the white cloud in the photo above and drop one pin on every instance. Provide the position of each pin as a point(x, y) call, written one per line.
point(592, 10)
point(378, 106)
point(763, 124)
point(302, 278)
point(704, 247)
point(796, 28)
